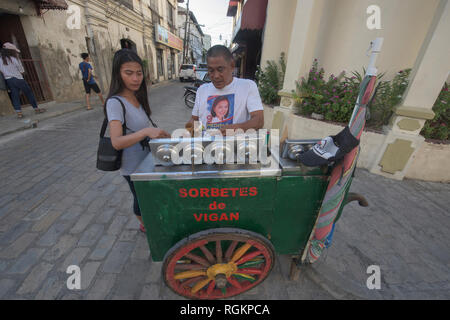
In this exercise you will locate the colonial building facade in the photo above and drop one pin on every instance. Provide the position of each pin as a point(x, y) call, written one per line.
point(52, 34)
point(194, 37)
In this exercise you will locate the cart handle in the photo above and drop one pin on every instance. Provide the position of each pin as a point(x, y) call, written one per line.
point(352, 196)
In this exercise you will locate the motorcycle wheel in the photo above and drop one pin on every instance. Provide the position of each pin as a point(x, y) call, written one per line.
point(189, 100)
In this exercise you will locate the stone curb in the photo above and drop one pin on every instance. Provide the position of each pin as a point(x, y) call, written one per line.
point(34, 122)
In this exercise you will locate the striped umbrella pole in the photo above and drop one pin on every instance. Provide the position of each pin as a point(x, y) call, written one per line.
point(340, 176)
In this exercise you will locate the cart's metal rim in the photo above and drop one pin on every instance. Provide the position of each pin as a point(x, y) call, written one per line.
point(207, 174)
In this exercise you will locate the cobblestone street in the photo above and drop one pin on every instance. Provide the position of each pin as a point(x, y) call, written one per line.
point(57, 210)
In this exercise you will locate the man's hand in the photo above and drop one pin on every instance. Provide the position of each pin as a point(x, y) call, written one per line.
point(190, 127)
point(190, 124)
point(226, 127)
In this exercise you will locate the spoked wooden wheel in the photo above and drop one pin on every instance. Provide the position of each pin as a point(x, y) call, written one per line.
point(218, 263)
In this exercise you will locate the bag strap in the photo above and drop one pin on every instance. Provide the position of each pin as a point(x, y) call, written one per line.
point(153, 124)
point(105, 121)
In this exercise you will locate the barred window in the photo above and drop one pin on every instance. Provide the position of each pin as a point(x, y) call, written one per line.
point(169, 13)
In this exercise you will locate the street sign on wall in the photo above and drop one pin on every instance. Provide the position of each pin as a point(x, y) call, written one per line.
point(167, 38)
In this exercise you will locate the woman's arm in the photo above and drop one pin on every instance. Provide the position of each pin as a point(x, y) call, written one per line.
point(19, 66)
point(120, 141)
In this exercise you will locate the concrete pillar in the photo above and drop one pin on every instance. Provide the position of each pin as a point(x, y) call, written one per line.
point(97, 23)
point(277, 31)
point(302, 45)
point(429, 73)
point(6, 107)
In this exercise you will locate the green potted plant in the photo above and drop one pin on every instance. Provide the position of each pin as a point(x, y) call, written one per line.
point(270, 80)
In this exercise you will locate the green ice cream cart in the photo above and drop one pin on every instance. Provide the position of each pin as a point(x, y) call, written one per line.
point(216, 215)
point(217, 227)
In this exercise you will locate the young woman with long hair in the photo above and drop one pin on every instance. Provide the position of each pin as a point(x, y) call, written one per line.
point(128, 85)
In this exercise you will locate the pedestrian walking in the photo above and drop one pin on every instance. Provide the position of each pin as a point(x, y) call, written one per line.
point(127, 103)
point(89, 80)
point(12, 70)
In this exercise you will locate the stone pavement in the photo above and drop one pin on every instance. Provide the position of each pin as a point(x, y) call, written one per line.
point(10, 124)
point(57, 210)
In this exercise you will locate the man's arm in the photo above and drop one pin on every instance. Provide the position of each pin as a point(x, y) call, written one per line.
point(255, 109)
point(256, 122)
point(195, 112)
point(190, 123)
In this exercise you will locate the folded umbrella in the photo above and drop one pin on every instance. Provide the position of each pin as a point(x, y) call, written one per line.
point(340, 176)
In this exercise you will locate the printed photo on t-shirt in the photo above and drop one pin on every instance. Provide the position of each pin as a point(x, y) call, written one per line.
point(220, 111)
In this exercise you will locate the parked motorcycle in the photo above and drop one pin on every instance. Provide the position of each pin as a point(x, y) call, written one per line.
point(189, 96)
point(191, 92)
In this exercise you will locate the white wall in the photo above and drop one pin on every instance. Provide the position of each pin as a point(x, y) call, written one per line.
point(344, 36)
point(277, 31)
point(429, 164)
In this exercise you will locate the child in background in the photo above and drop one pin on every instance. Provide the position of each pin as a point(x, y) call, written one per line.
point(88, 80)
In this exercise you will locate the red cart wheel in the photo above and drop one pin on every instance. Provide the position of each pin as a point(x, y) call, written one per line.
point(218, 263)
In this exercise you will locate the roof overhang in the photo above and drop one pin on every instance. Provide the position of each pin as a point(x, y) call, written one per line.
point(51, 4)
point(252, 19)
point(232, 8)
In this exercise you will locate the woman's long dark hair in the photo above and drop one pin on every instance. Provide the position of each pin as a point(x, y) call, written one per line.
point(117, 86)
point(7, 53)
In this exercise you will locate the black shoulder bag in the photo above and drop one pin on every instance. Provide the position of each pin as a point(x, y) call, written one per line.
point(108, 158)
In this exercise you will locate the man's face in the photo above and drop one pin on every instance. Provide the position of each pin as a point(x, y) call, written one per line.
point(220, 71)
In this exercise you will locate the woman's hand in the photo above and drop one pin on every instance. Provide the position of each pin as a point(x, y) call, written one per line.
point(120, 141)
point(155, 133)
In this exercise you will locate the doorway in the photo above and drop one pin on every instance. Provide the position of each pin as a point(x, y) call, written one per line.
point(159, 62)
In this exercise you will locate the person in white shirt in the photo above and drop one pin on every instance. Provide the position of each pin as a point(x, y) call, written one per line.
point(12, 69)
point(227, 102)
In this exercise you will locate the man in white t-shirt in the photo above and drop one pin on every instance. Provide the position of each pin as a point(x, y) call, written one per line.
point(227, 102)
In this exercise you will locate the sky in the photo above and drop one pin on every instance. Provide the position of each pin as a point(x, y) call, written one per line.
point(213, 14)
